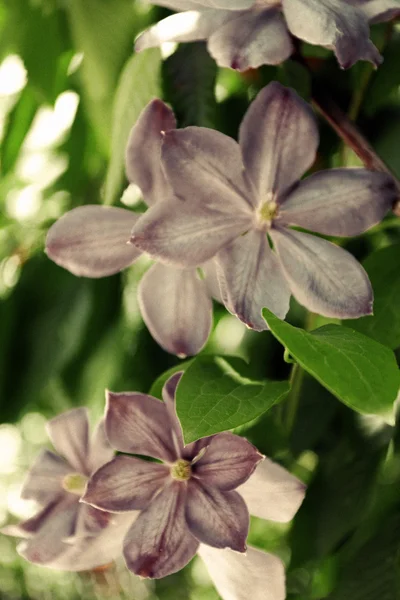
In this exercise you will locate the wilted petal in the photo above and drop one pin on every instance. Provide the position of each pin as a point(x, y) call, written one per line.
point(378, 11)
point(136, 423)
point(160, 543)
point(251, 38)
point(186, 234)
point(228, 462)
point(176, 308)
point(342, 202)
point(256, 574)
point(251, 278)
point(69, 433)
point(217, 518)
point(125, 484)
point(279, 139)
point(334, 24)
point(43, 482)
point(323, 277)
point(92, 241)
point(101, 450)
point(273, 493)
point(143, 152)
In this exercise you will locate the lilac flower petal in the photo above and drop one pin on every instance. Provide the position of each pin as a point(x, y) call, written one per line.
point(90, 522)
point(69, 433)
point(251, 38)
point(160, 543)
point(228, 4)
point(343, 202)
point(251, 278)
point(101, 451)
point(143, 152)
point(217, 518)
point(168, 395)
point(176, 308)
point(272, 493)
point(378, 11)
point(43, 482)
point(135, 423)
point(125, 484)
point(279, 140)
point(210, 273)
point(256, 574)
point(323, 277)
point(48, 543)
point(92, 241)
point(29, 527)
point(185, 234)
point(334, 24)
point(228, 462)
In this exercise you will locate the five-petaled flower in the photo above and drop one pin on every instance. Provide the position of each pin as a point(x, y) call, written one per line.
point(66, 534)
point(233, 201)
point(249, 33)
point(196, 500)
point(92, 241)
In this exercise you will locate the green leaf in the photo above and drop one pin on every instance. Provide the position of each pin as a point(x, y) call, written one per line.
point(359, 371)
point(140, 82)
point(384, 273)
point(213, 397)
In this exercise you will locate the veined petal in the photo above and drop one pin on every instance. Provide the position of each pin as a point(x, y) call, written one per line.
point(217, 518)
point(92, 241)
point(69, 433)
point(255, 574)
point(125, 484)
point(160, 543)
point(186, 234)
point(251, 278)
point(343, 202)
point(143, 151)
point(176, 308)
point(334, 24)
point(251, 38)
point(136, 423)
point(272, 493)
point(90, 522)
point(101, 450)
point(279, 139)
point(228, 462)
point(323, 277)
point(169, 395)
point(378, 11)
point(43, 482)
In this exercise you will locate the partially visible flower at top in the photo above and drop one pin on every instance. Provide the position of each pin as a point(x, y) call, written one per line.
point(92, 241)
point(66, 534)
point(229, 197)
point(196, 500)
point(245, 34)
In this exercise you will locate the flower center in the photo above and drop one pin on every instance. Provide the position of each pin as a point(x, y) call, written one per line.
point(267, 212)
point(75, 483)
point(181, 470)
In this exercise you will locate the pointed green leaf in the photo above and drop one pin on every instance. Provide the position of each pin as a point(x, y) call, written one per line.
point(359, 371)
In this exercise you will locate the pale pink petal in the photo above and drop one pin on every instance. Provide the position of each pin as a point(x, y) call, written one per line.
point(334, 24)
point(210, 273)
point(228, 462)
point(251, 278)
point(378, 11)
point(279, 140)
point(217, 518)
point(250, 39)
point(273, 493)
point(160, 543)
point(169, 395)
point(101, 450)
point(90, 522)
point(125, 484)
point(92, 241)
point(136, 423)
point(69, 433)
point(342, 202)
point(323, 277)
point(43, 482)
point(29, 527)
point(177, 308)
point(143, 151)
point(255, 574)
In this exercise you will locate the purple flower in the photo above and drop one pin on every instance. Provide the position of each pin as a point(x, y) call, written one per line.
point(196, 500)
point(233, 200)
point(248, 33)
point(92, 241)
point(66, 534)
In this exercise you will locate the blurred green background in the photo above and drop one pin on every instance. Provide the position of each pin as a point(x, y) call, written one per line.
point(70, 89)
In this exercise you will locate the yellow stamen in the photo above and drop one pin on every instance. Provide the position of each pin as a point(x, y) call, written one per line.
point(181, 470)
point(75, 483)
